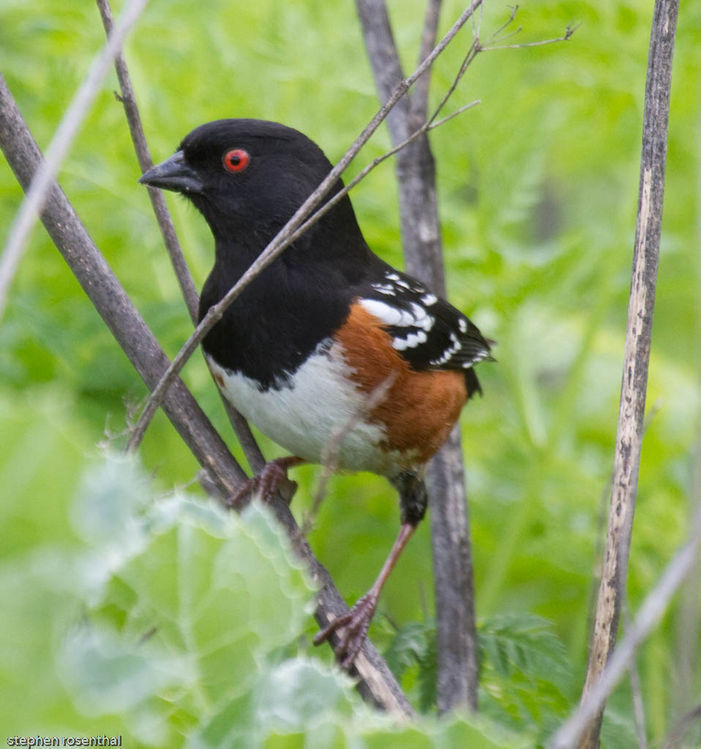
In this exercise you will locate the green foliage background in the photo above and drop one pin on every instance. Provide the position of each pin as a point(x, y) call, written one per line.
point(538, 193)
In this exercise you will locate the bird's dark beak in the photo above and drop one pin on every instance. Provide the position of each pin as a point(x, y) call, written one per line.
point(173, 174)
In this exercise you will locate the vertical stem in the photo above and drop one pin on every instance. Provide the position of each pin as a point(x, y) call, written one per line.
point(637, 351)
point(456, 632)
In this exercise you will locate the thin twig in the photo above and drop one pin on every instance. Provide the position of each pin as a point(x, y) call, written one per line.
point(165, 222)
point(636, 356)
point(651, 611)
point(428, 125)
point(58, 148)
point(282, 240)
point(459, 110)
point(681, 728)
point(564, 38)
point(507, 23)
point(636, 691)
point(136, 129)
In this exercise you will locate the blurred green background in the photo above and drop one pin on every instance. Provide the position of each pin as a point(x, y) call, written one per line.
point(538, 195)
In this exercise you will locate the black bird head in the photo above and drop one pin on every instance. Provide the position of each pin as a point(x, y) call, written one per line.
point(247, 177)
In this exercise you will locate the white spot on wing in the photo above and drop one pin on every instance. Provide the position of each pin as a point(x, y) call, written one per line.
point(384, 312)
point(421, 318)
point(448, 353)
point(390, 315)
point(384, 288)
point(428, 299)
point(411, 341)
point(462, 325)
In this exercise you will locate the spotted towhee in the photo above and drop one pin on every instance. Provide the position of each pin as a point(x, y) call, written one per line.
point(305, 350)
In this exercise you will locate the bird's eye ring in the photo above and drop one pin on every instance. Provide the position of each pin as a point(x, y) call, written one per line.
point(236, 160)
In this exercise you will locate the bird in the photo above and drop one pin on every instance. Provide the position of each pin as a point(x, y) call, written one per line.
point(329, 345)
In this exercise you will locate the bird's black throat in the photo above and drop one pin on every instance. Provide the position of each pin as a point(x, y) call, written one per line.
point(281, 317)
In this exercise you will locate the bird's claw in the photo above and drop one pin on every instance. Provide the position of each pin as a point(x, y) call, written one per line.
point(265, 484)
point(354, 626)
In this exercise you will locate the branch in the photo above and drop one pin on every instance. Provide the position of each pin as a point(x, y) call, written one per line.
point(58, 148)
point(136, 129)
point(651, 611)
point(419, 99)
point(456, 633)
point(284, 237)
point(165, 222)
point(452, 557)
point(569, 31)
point(681, 727)
point(636, 355)
point(376, 682)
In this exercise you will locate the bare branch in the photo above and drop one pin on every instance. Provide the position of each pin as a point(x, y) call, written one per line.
point(376, 682)
point(429, 125)
point(652, 609)
point(386, 66)
point(507, 23)
point(143, 154)
point(681, 728)
point(569, 31)
point(456, 633)
point(637, 692)
point(283, 238)
point(637, 354)
point(419, 99)
point(58, 148)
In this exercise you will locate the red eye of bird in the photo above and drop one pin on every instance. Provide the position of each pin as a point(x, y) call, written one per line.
point(236, 160)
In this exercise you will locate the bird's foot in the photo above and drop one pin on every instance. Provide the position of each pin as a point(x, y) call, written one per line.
point(273, 476)
point(354, 626)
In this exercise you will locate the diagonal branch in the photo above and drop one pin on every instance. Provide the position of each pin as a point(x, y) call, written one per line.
point(283, 238)
point(650, 613)
point(637, 352)
point(375, 681)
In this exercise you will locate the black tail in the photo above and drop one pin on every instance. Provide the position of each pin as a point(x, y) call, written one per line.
point(473, 384)
point(413, 498)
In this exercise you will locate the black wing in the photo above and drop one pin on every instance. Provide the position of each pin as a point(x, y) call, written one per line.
point(426, 330)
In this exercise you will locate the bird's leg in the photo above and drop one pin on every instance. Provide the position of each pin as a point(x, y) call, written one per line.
point(267, 481)
point(356, 622)
point(413, 501)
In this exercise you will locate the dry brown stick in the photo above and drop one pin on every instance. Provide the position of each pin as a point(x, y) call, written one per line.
point(283, 238)
point(375, 681)
point(637, 352)
point(456, 632)
point(165, 223)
